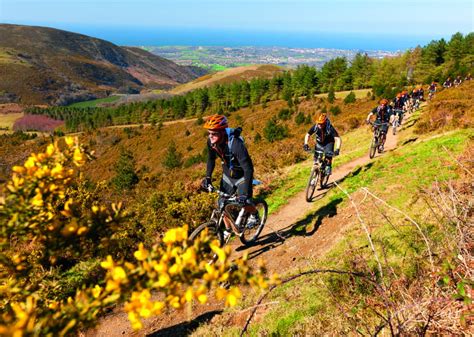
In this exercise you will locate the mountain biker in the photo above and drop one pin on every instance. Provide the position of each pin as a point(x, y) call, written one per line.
point(237, 166)
point(448, 83)
point(382, 114)
point(457, 81)
point(432, 89)
point(421, 94)
point(327, 139)
point(398, 104)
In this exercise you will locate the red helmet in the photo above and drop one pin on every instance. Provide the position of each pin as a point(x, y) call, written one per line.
point(399, 95)
point(322, 119)
point(216, 122)
point(383, 101)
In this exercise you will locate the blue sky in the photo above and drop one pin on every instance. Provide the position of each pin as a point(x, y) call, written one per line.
point(426, 18)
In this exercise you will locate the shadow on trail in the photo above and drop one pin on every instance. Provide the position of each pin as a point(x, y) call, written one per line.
point(305, 227)
point(185, 328)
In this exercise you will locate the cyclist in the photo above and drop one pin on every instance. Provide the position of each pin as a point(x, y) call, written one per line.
point(237, 166)
point(468, 77)
point(327, 139)
point(432, 90)
point(457, 81)
point(421, 94)
point(448, 83)
point(398, 104)
point(382, 114)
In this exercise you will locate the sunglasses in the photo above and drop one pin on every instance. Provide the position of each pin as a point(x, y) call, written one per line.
point(214, 134)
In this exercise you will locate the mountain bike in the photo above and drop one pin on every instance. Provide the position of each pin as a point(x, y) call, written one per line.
point(230, 215)
point(318, 173)
point(376, 139)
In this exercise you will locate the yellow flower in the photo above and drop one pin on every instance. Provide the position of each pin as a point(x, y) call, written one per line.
point(82, 230)
point(112, 285)
point(118, 274)
point(57, 171)
point(96, 291)
point(164, 280)
point(141, 254)
point(136, 323)
point(189, 294)
point(160, 267)
point(212, 274)
point(221, 255)
point(157, 307)
point(176, 235)
point(37, 200)
point(69, 141)
point(18, 169)
point(78, 157)
point(174, 269)
point(202, 298)
point(108, 264)
point(189, 256)
point(50, 150)
point(221, 293)
point(95, 209)
point(233, 296)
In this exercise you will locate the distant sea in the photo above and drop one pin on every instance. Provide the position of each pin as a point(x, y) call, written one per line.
point(126, 36)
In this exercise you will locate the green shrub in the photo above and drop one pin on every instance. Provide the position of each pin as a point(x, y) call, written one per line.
point(284, 114)
point(274, 131)
point(350, 98)
point(335, 110)
point(125, 175)
point(300, 118)
point(172, 157)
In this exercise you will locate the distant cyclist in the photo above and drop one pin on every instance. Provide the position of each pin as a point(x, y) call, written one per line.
point(398, 104)
point(431, 90)
point(457, 81)
point(382, 114)
point(448, 83)
point(468, 77)
point(421, 94)
point(327, 140)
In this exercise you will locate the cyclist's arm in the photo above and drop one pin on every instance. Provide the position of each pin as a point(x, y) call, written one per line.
point(211, 160)
point(369, 115)
point(241, 154)
point(311, 131)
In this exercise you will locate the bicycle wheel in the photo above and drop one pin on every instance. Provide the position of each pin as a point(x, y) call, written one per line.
point(312, 183)
point(373, 148)
point(250, 234)
point(323, 181)
point(213, 231)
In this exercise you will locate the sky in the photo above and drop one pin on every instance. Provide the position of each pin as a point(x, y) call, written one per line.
point(426, 19)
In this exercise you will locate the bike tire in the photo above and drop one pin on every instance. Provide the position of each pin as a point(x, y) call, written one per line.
point(213, 230)
point(312, 183)
point(373, 148)
point(250, 235)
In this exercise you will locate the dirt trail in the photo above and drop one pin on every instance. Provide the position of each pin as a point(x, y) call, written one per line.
point(289, 241)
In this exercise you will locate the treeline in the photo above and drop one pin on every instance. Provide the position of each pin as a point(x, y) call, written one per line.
point(434, 62)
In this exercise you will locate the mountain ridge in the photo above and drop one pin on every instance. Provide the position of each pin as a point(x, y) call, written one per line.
point(47, 65)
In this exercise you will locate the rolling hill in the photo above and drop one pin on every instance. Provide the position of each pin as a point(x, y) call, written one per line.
point(46, 65)
point(229, 76)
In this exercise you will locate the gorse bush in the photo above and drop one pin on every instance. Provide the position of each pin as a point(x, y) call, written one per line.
point(350, 98)
point(42, 218)
point(172, 157)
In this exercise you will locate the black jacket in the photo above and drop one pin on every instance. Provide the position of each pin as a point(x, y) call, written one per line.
point(324, 136)
point(236, 162)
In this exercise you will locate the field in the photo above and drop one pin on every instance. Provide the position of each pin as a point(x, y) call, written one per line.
point(7, 121)
point(94, 103)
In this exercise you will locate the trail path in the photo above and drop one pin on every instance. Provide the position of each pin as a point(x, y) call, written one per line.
point(290, 240)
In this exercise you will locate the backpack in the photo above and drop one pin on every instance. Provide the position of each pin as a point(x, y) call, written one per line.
point(231, 135)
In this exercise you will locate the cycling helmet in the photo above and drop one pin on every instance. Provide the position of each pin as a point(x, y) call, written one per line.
point(399, 95)
point(322, 119)
point(384, 101)
point(216, 122)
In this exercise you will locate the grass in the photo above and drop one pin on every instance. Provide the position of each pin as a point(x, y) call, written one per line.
point(7, 120)
point(94, 103)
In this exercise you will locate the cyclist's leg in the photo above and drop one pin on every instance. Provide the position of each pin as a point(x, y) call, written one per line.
point(328, 153)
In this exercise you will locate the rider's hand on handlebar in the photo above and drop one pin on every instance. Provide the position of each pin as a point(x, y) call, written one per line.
point(206, 184)
point(242, 199)
point(336, 153)
point(306, 147)
point(367, 121)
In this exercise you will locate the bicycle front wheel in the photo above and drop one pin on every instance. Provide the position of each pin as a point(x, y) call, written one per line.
point(373, 148)
point(312, 183)
point(212, 229)
point(250, 232)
